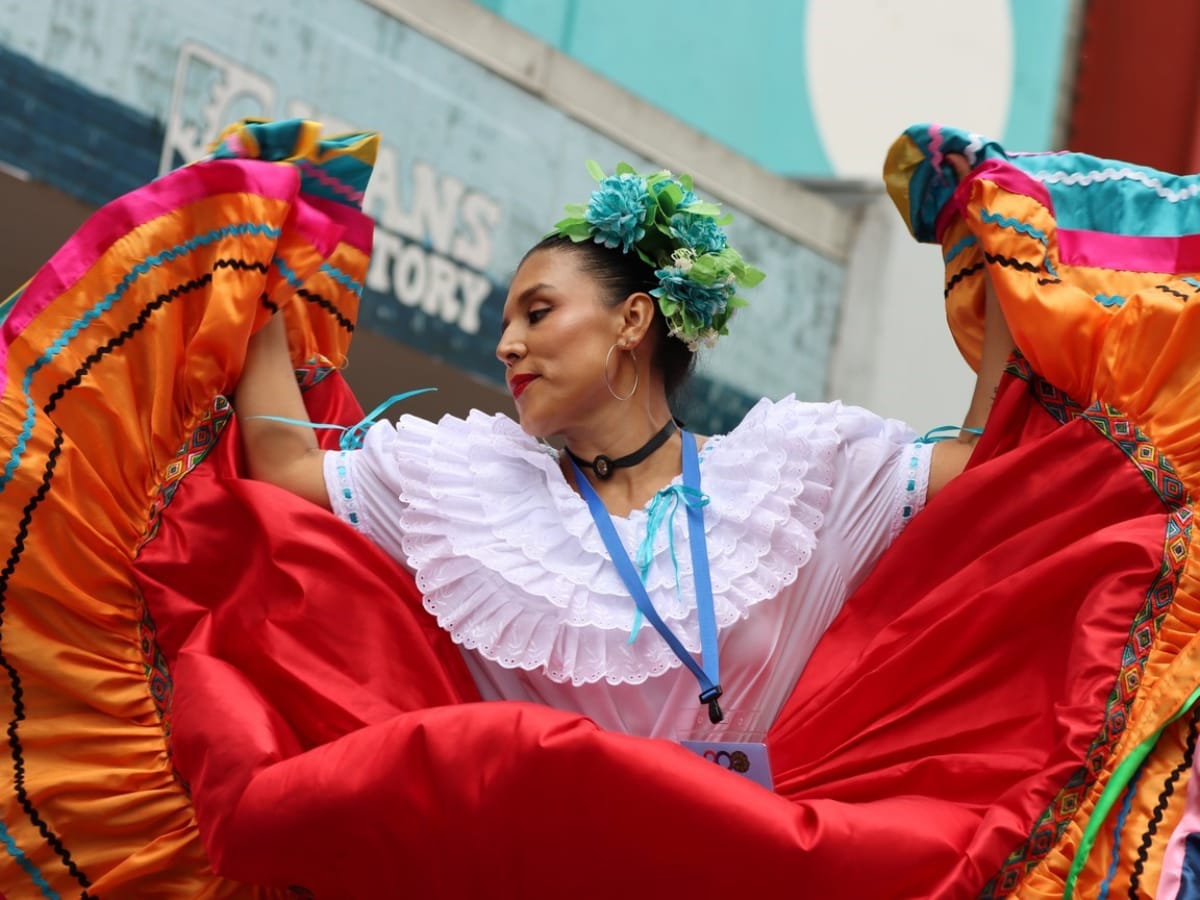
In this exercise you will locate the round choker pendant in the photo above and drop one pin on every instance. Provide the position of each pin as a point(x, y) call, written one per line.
point(604, 466)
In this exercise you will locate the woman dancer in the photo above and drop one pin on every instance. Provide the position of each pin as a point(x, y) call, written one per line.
point(256, 697)
point(515, 547)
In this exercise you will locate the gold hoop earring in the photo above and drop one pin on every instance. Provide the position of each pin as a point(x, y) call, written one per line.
point(608, 383)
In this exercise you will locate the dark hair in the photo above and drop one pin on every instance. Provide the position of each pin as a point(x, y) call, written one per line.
point(622, 274)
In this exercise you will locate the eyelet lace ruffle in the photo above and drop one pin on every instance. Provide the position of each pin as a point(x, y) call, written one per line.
point(512, 565)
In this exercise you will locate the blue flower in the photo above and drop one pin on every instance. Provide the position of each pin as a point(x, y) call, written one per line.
point(689, 197)
point(701, 302)
point(617, 211)
point(699, 233)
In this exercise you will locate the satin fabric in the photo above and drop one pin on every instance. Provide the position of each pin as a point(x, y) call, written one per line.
point(115, 358)
point(311, 705)
point(1095, 266)
point(218, 690)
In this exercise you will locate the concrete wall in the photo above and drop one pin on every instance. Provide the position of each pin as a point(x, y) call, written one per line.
point(474, 168)
point(486, 126)
point(818, 89)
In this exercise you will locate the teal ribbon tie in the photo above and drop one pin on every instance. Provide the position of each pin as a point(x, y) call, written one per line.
point(945, 433)
point(352, 435)
point(662, 509)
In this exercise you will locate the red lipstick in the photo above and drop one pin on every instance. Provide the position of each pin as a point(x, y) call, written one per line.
point(518, 383)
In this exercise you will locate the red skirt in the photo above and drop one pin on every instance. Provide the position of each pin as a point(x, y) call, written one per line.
point(216, 689)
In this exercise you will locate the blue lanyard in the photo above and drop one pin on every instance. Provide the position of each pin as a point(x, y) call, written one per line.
point(708, 676)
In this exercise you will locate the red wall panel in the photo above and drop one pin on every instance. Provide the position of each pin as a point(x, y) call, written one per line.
point(1137, 85)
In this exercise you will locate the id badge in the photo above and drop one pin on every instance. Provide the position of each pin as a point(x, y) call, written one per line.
point(746, 759)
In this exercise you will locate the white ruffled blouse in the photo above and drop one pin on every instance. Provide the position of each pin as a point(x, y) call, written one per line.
point(803, 498)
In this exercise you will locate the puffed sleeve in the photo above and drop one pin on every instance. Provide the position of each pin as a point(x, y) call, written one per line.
point(880, 482)
point(366, 487)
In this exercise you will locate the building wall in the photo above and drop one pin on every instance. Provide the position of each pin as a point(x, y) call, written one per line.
point(1134, 99)
point(473, 168)
point(817, 90)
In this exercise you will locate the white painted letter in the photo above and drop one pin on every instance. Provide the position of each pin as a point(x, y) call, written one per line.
point(434, 206)
point(474, 289)
point(409, 276)
point(443, 279)
point(387, 245)
point(480, 215)
point(383, 200)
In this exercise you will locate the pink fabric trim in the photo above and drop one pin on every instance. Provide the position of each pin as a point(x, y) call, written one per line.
point(360, 228)
point(936, 157)
point(118, 218)
point(314, 226)
point(1130, 253)
point(318, 174)
point(1001, 173)
point(1079, 247)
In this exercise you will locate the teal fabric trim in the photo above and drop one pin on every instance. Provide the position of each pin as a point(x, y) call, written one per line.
point(26, 864)
point(7, 306)
point(1132, 199)
point(342, 278)
point(963, 243)
point(1013, 225)
point(1086, 193)
point(103, 306)
point(286, 271)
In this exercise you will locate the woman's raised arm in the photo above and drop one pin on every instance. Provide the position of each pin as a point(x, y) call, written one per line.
point(282, 454)
point(950, 457)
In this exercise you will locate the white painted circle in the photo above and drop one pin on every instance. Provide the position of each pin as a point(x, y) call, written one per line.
point(877, 66)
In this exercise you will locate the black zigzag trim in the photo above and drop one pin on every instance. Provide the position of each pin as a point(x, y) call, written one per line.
point(14, 741)
point(1167, 289)
point(1143, 853)
point(960, 275)
point(240, 264)
point(266, 301)
point(1009, 263)
point(1045, 281)
point(326, 304)
point(112, 344)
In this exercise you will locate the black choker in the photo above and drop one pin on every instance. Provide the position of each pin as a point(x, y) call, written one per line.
point(604, 467)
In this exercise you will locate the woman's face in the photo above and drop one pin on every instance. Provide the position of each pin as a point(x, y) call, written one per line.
point(556, 332)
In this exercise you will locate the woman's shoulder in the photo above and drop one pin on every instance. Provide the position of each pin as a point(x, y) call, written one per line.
point(818, 420)
point(476, 431)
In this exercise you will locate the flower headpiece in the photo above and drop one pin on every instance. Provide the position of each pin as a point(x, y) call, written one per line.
point(678, 235)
